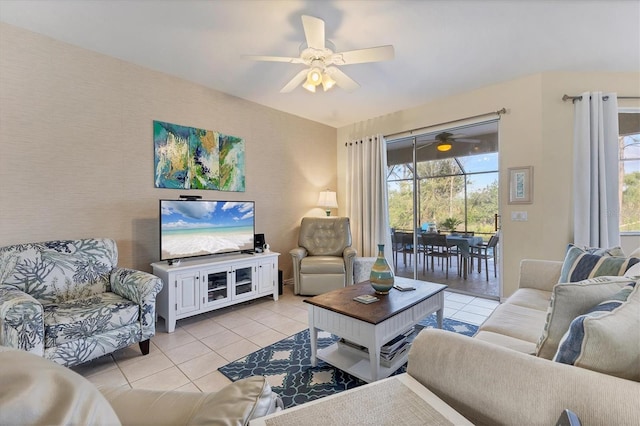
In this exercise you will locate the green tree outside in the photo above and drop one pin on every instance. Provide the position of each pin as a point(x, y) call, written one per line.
point(630, 212)
point(441, 188)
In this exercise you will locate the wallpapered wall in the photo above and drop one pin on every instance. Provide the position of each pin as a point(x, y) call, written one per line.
point(76, 149)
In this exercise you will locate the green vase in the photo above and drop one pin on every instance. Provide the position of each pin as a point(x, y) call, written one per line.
point(381, 276)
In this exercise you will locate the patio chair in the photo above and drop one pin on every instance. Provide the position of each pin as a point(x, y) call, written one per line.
point(486, 251)
point(401, 242)
point(436, 246)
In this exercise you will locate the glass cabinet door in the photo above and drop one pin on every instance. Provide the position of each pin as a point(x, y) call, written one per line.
point(217, 286)
point(244, 280)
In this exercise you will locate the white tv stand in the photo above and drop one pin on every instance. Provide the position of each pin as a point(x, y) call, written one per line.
point(199, 285)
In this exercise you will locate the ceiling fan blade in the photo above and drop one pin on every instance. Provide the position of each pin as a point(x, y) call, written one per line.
point(467, 140)
point(371, 54)
point(274, 59)
point(425, 145)
point(295, 81)
point(313, 31)
point(342, 80)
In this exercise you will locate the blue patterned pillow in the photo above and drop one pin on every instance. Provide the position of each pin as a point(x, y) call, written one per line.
point(607, 337)
point(581, 265)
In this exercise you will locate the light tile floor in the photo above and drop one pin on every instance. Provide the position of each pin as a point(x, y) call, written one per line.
point(188, 358)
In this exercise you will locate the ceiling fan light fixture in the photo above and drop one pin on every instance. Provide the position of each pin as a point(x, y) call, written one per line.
point(327, 81)
point(309, 86)
point(320, 56)
point(314, 76)
point(444, 146)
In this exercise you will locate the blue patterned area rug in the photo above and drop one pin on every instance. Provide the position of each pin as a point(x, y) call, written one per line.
point(287, 365)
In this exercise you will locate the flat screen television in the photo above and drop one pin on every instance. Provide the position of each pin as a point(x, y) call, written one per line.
point(190, 228)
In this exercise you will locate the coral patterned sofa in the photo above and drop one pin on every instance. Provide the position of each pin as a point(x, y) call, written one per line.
point(68, 301)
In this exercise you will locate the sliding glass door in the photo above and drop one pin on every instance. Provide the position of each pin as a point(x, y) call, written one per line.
point(450, 191)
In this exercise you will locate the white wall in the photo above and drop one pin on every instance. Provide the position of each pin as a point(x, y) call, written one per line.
point(537, 131)
point(76, 149)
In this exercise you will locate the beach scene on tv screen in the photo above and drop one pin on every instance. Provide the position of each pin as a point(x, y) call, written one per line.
point(196, 228)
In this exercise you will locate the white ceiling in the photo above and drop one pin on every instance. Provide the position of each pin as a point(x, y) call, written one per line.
point(441, 47)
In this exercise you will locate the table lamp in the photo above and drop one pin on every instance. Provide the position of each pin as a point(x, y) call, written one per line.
point(328, 200)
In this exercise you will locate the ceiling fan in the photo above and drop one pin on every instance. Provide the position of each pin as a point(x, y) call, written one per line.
point(321, 59)
point(446, 140)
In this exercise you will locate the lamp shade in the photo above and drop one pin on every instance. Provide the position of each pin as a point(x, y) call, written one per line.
point(327, 82)
point(309, 87)
point(314, 76)
point(328, 200)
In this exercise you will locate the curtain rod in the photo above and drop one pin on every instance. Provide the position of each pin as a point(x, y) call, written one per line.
point(410, 132)
point(579, 98)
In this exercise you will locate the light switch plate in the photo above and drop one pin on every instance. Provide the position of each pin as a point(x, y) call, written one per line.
point(519, 216)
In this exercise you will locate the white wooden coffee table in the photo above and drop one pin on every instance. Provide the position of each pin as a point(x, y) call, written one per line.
point(370, 325)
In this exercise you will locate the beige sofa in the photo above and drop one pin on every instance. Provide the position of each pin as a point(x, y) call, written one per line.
point(34, 390)
point(495, 378)
point(518, 322)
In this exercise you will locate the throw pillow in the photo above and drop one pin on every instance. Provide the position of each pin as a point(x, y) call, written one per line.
point(568, 300)
point(579, 265)
point(613, 251)
point(607, 338)
point(634, 271)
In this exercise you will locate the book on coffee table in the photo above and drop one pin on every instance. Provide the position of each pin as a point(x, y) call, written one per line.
point(366, 298)
point(403, 287)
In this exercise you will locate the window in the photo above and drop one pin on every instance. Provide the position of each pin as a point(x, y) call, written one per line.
point(629, 145)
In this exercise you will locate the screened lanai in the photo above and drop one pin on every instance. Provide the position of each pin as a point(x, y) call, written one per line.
point(453, 193)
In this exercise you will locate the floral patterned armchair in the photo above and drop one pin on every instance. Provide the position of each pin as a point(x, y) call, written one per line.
point(69, 302)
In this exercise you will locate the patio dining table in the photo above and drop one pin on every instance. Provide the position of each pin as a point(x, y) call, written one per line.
point(463, 244)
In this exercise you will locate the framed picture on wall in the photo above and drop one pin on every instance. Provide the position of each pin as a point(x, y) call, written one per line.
point(521, 185)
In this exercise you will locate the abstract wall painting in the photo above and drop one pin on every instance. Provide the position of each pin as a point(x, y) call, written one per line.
point(191, 158)
point(171, 155)
point(204, 167)
point(231, 160)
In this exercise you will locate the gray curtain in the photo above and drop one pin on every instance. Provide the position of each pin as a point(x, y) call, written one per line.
point(595, 171)
point(367, 203)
